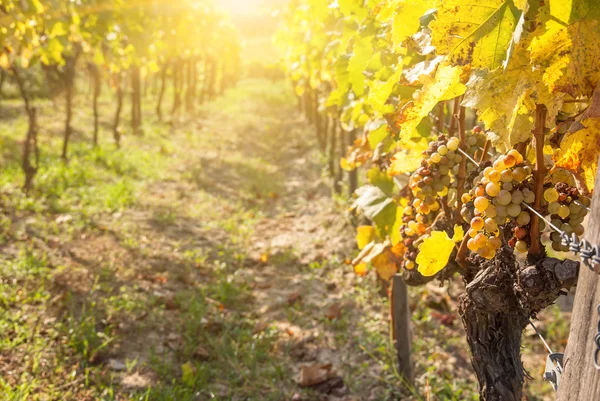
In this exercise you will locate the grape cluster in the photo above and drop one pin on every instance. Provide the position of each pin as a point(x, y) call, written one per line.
point(496, 200)
point(567, 210)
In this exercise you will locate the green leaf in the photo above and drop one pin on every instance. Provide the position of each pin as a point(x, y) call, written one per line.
point(372, 200)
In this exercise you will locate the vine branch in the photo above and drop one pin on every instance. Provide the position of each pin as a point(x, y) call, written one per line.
point(539, 175)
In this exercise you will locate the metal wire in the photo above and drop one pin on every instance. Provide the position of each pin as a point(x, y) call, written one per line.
point(541, 337)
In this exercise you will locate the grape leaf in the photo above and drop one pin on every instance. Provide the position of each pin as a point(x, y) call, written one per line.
point(459, 233)
point(579, 152)
point(477, 33)
point(568, 50)
point(434, 253)
point(371, 200)
point(407, 19)
point(385, 264)
point(446, 85)
point(364, 236)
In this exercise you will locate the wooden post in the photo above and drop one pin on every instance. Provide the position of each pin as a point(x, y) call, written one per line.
point(400, 326)
point(581, 380)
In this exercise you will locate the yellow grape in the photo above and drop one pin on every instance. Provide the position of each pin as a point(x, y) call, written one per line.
point(409, 265)
point(491, 254)
point(480, 240)
point(409, 231)
point(551, 195)
point(515, 153)
point(495, 243)
point(494, 176)
point(443, 150)
point(408, 211)
point(513, 210)
point(487, 171)
point(477, 223)
point(466, 197)
point(481, 203)
point(564, 211)
point(484, 252)
point(509, 160)
point(490, 225)
point(492, 189)
point(472, 245)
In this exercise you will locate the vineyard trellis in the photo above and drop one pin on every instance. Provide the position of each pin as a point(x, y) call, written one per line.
point(120, 43)
point(487, 116)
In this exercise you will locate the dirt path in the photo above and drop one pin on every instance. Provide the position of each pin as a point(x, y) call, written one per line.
point(224, 279)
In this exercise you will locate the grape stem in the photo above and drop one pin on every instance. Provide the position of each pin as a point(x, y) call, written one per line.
point(460, 183)
point(539, 174)
point(484, 152)
point(440, 118)
point(455, 107)
point(461, 255)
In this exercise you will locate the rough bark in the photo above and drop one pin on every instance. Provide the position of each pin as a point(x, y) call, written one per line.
point(177, 84)
point(332, 157)
point(2, 80)
point(581, 380)
point(120, 94)
point(97, 82)
point(69, 83)
point(339, 176)
point(30, 145)
point(161, 93)
point(353, 175)
point(136, 99)
point(401, 330)
point(499, 299)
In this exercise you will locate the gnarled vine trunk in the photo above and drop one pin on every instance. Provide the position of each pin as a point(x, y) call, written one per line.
point(120, 94)
point(97, 88)
point(136, 99)
point(68, 76)
point(161, 93)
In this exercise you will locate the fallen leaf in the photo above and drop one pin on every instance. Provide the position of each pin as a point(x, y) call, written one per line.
point(311, 375)
point(293, 298)
point(334, 311)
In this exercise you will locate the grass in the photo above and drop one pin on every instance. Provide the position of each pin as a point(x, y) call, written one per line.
point(164, 270)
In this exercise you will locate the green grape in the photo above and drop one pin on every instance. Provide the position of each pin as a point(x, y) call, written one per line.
point(529, 196)
point(554, 236)
point(451, 155)
point(575, 208)
point(521, 246)
point(508, 186)
point(523, 218)
point(551, 195)
point(453, 144)
point(471, 141)
point(556, 246)
point(506, 176)
point(517, 197)
point(491, 211)
point(578, 230)
point(566, 228)
point(553, 207)
point(443, 150)
point(435, 158)
point(504, 197)
point(513, 210)
point(519, 174)
point(501, 211)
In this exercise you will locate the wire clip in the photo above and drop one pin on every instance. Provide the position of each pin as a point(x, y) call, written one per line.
point(554, 371)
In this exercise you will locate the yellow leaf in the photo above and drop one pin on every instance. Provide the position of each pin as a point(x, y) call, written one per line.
point(477, 33)
point(459, 233)
point(361, 269)
point(408, 158)
point(434, 253)
point(385, 264)
point(567, 49)
point(579, 152)
point(364, 235)
point(407, 19)
point(446, 85)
